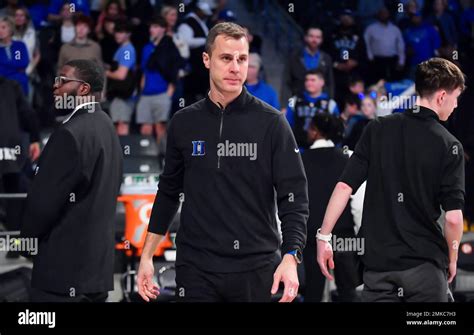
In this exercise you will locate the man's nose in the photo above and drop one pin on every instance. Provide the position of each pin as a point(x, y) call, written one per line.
point(235, 67)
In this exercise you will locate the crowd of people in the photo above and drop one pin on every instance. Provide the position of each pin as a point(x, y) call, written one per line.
point(356, 64)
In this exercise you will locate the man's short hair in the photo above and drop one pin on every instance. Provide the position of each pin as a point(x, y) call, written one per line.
point(315, 72)
point(89, 71)
point(438, 74)
point(311, 27)
point(229, 29)
point(83, 19)
point(352, 99)
point(159, 21)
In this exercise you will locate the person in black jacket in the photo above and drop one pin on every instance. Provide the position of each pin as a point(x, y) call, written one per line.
point(225, 156)
point(414, 168)
point(324, 164)
point(71, 206)
point(19, 140)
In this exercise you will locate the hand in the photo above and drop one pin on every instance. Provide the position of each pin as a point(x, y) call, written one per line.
point(146, 287)
point(286, 273)
point(170, 91)
point(451, 271)
point(34, 151)
point(324, 254)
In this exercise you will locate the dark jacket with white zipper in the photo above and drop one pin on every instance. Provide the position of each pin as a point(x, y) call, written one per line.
point(228, 221)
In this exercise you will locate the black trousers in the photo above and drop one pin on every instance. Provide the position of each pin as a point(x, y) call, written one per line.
point(385, 68)
point(37, 295)
point(344, 275)
point(10, 183)
point(424, 283)
point(195, 285)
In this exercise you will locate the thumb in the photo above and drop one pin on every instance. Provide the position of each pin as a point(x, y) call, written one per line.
point(331, 263)
point(276, 282)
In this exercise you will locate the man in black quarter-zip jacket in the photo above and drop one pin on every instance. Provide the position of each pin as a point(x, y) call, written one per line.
point(226, 155)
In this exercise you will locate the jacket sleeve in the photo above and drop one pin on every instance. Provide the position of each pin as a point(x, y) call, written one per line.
point(289, 180)
point(58, 174)
point(170, 186)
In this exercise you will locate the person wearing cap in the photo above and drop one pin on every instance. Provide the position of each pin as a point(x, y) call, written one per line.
point(194, 32)
point(81, 47)
point(70, 208)
point(232, 158)
point(121, 79)
point(258, 87)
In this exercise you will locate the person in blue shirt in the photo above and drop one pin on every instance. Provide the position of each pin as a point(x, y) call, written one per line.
point(302, 108)
point(121, 107)
point(75, 6)
point(160, 64)
point(422, 41)
point(14, 57)
point(258, 87)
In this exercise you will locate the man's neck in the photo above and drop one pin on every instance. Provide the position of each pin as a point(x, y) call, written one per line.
point(314, 94)
point(427, 104)
point(157, 40)
point(81, 40)
point(312, 52)
point(220, 98)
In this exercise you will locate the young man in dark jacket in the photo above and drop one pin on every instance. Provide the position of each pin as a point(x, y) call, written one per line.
point(226, 155)
point(71, 206)
point(413, 167)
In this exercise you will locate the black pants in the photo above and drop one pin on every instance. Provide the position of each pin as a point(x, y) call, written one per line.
point(195, 285)
point(344, 275)
point(10, 183)
point(424, 283)
point(38, 295)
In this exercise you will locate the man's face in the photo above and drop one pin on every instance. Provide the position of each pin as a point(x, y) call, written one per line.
point(313, 84)
point(4, 30)
point(228, 63)
point(156, 31)
point(72, 88)
point(447, 102)
point(82, 30)
point(252, 74)
point(313, 38)
point(121, 37)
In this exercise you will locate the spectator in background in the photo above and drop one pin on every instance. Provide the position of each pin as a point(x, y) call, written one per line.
point(356, 86)
point(82, 47)
point(422, 42)
point(194, 32)
point(75, 7)
point(160, 65)
point(121, 79)
point(16, 119)
point(114, 11)
point(107, 43)
point(302, 107)
point(66, 25)
point(385, 48)
point(258, 87)
point(25, 32)
point(170, 14)
point(404, 18)
point(324, 164)
point(14, 57)
point(310, 58)
point(347, 51)
point(354, 121)
point(368, 107)
point(444, 23)
point(38, 11)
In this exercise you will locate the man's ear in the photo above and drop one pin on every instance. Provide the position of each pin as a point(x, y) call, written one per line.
point(440, 97)
point(206, 59)
point(84, 89)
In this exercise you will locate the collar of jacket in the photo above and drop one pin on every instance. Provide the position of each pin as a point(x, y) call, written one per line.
point(83, 109)
point(236, 105)
point(423, 112)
